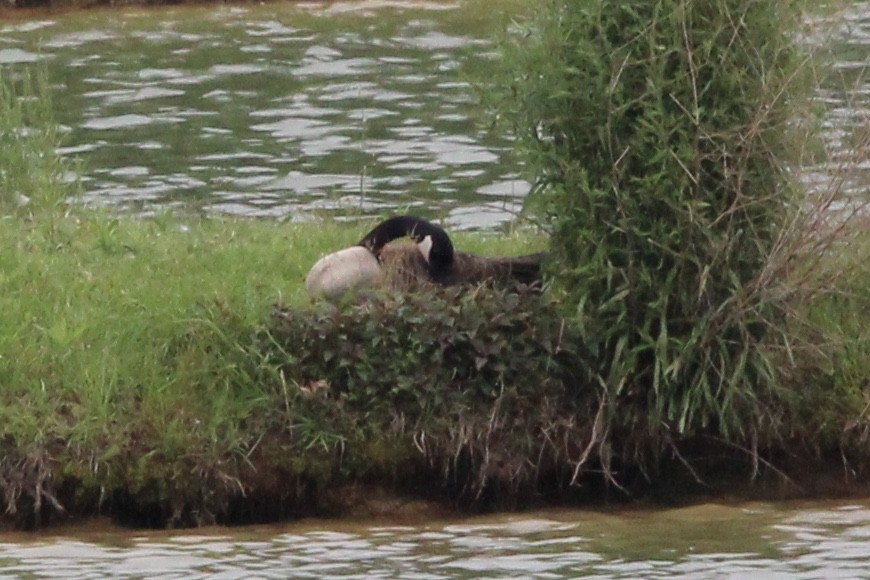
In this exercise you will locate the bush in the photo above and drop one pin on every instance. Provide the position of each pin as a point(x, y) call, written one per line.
point(482, 382)
point(657, 133)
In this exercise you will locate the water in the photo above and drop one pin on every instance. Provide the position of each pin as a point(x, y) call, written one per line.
point(759, 540)
point(279, 111)
point(845, 98)
point(290, 111)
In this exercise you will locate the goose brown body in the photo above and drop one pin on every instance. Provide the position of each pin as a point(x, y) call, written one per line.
point(404, 266)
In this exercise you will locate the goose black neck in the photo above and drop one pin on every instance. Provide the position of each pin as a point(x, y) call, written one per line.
point(440, 256)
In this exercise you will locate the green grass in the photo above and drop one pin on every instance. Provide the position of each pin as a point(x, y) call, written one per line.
point(127, 337)
point(92, 307)
point(131, 364)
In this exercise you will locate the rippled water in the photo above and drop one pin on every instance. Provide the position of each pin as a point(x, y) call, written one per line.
point(280, 110)
point(827, 540)
point(845, 96)
point(288, 110)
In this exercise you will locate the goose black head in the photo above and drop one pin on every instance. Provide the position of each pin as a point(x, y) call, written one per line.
point(433, 241)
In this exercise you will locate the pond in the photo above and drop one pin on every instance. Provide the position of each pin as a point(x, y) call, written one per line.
point(757, 540)
point(294, 110)
point(282, 110)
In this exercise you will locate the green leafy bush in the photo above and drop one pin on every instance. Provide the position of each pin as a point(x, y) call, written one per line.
point(486, 383)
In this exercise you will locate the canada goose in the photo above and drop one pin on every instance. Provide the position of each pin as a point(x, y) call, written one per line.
point(443, 264)
point(431, 260)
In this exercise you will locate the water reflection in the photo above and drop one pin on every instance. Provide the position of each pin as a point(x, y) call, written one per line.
point(346, 108)
point(706, 541)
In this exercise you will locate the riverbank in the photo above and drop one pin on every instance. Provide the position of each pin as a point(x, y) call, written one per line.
point(170, 371)
point(149, 377)
point(130, 375)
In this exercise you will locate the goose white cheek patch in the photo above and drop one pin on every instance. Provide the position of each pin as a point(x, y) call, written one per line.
point(340, 272)
point(425, 247)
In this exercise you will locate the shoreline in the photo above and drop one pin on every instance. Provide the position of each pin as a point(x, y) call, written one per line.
point(147, 376)
point(168, 413)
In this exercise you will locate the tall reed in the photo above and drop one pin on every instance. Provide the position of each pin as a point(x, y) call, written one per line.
point(659, 135)
point(32, 173)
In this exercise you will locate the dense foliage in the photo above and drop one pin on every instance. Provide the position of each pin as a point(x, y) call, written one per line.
point(657, 131)
point(487, 383)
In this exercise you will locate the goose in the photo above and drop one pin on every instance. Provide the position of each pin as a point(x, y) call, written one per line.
point(429, 260)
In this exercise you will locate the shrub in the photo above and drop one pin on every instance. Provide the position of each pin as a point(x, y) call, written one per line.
point(481, 381)
point(657, 132)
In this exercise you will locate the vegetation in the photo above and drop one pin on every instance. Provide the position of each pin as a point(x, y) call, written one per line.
point(135, 377)
point(662, 136)
point(138, 378)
